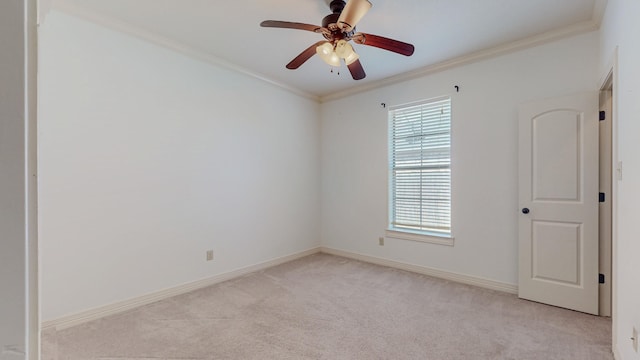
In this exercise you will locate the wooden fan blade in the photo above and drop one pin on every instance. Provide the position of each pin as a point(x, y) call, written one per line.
point(382, 42)
point(304, 56)
point(291, 25)
point(353, 11)
point(356, 70)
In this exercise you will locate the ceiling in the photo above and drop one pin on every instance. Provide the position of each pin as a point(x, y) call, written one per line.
point(443, 32)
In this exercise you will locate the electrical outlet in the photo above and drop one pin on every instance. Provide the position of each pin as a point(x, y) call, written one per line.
point(209, 255)
point(381, 241)
point(634, 339)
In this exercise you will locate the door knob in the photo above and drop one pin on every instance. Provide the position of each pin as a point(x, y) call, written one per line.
point(525, 210)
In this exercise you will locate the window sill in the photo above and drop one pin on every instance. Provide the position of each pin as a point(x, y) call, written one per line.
point(420, 237)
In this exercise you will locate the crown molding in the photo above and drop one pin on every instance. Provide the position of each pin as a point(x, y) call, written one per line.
point(189, 51)
point(537, 40)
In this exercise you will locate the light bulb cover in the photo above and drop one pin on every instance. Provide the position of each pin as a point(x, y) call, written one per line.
point(345, 51)
point(351, 58)
point(328, 55)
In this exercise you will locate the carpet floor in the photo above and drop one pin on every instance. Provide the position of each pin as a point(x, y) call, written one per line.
point(329, 307)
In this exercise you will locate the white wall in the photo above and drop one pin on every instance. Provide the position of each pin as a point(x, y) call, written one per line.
point(148, 158)
point(18, 259)
point(621, 30)
point(484, 157)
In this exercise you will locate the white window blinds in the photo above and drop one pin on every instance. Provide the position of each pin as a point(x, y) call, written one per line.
point(420, 167)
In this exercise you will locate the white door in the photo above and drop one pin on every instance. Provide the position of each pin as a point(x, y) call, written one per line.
point(558, 196)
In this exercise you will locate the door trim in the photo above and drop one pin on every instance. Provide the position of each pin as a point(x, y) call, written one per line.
point(611, 73)
point(605, 208)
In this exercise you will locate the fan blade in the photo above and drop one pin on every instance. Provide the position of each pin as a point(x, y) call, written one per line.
point(304, 56)
point(291, 25)
point(382, 42)
point(353, 11)
point(356, 70)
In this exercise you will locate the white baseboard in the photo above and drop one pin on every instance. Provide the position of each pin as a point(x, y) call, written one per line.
point(121, 306)
point(443, 274)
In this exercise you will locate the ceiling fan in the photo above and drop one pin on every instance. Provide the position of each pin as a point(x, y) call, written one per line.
point(338, 29)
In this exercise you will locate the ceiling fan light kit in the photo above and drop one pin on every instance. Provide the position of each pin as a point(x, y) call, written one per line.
point(332, 56)
point(345, 51)
point(338, 28)
point(326, 53)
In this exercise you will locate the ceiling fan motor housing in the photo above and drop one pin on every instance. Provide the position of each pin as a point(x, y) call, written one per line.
point(330, 22)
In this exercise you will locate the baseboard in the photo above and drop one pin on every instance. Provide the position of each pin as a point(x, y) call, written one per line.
point(443, 274)
point(121, 306)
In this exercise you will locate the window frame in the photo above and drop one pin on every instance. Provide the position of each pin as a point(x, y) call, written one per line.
point(440, 238)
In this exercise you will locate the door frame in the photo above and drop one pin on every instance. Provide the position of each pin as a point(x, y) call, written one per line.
point(609, 81)
point(605, 207)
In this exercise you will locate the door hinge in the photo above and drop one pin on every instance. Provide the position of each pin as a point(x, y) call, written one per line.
point(601, 278)
point(601, 197)
point(603, 115)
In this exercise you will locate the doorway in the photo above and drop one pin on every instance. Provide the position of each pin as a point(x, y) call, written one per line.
point(549, 272)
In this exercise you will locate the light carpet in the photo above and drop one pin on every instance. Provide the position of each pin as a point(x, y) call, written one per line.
point(329, 307)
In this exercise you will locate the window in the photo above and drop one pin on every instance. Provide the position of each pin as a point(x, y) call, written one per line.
point(420, 170)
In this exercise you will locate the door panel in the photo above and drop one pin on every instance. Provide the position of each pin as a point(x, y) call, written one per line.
point(558, 174)
point(556, 156)
point(556, 252)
